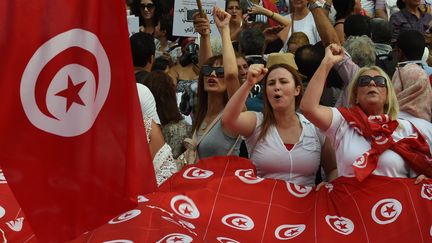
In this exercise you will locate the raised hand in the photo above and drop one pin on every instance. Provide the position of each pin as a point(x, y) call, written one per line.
point(221, 17)
point(271, 33)
point(256, 73)
point(256, 9)
point(334, 53)
point(201, 24)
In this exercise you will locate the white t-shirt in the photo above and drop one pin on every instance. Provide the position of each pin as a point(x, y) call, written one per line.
point(305, 25)
point(422, 125)
point(273, 160)
point(148, 103)
point(349, 146)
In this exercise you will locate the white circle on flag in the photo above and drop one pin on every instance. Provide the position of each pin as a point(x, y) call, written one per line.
point(125, 217)
point(64, 119)
point(2, 212)
point(386, 211)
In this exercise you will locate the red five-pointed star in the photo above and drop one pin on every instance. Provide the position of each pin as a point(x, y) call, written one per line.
point(177, 239)
point(71, 93)
point(389, 210)
point(187, 211)
point(241, 222)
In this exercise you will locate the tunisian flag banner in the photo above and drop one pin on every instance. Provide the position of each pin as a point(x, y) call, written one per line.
point(222, 200)
point(72, 138)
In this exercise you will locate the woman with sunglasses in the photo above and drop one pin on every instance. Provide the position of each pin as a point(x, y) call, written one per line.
point(281, 142)
point(148, 12)
point(217, 81)
point(367, 136)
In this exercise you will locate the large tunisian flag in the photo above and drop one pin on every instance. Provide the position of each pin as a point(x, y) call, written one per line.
point(73, 144)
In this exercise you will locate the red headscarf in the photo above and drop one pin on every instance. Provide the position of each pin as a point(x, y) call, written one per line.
point(378, 130)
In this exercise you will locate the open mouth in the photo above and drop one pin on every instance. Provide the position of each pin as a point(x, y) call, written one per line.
point(372, 92)
point(277, 97)
point(211, 81)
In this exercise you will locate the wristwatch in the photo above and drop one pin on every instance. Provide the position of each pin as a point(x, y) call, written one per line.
point(314, 5)
point(327, 6)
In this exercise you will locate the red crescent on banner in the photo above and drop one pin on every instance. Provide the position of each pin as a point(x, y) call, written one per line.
point(381, 140)
point(386, 211)
point(289, 231)
point(226, 240)
point(361, 162)
point(125, 216)
point(184, 207)
point(341, 225)
point(194, 173)
point(248, 176)
point(298, 191)
point(238, 221)
point(175, 237)
point(426, 191)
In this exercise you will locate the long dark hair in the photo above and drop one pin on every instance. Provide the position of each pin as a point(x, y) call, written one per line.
point(162, 87)
point(269, 118)
point(201, 111)
point(136, 10)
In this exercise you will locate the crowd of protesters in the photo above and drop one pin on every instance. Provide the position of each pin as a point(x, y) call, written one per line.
point(282, 82)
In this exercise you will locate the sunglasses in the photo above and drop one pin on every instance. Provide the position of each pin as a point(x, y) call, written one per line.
point(365, 80)
point(148, 6)
point(206, 70)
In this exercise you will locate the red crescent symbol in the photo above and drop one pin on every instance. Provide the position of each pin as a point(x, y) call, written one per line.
point(238, 221)
point(184, 207)
point(197, 173)
point(427, 191)
point(386, 211)
point(298, 191)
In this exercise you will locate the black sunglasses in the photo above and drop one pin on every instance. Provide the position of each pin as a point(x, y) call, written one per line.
point(149, 6)
point(206, 70)
point(365, 80)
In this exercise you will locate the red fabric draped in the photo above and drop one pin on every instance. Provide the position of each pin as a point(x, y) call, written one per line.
point(221, 200)
point(378, 130)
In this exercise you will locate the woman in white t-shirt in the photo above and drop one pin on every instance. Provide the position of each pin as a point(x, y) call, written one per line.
point(367, 137)
point(302, 21)
point(281, 142)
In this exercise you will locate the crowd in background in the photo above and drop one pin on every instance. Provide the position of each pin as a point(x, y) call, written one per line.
point(242, 94)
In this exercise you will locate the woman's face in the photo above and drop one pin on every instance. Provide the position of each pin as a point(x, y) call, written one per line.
point(357, 7)
point(233, 8)
point(147, 9)
point(371, 97)
point(299, 4)
point(281, 89)
point(215, 82)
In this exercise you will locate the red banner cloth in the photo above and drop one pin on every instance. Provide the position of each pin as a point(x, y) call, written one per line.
point(221, 200)
point(73, 143)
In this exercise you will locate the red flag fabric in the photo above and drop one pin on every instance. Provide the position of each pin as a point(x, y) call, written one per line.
point(221, 200)
point(73, 143)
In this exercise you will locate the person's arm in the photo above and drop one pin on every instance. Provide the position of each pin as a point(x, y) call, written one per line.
point(328, 160)
point(243, 123)
point(222, 20)
point(202, 26)
point(156, 139)
point(325, 29)
point(320, 116)
point(257, 9)
point(381, 13)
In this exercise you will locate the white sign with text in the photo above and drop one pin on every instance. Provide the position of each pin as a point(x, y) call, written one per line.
point(183, 11)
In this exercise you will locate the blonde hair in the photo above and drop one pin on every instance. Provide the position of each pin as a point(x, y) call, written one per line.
point(391, 106)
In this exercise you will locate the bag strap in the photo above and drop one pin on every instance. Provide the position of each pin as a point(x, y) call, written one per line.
point(232, 148)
